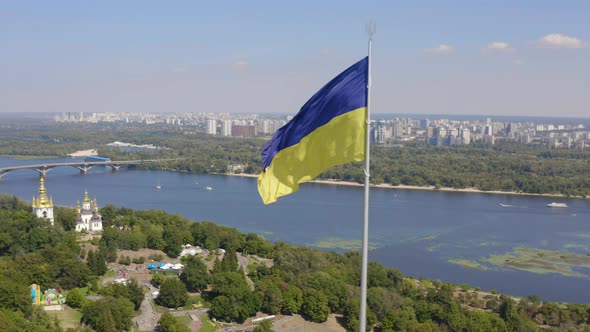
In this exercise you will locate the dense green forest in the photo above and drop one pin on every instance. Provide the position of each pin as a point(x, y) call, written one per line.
point(506, 167)
point(300, 280)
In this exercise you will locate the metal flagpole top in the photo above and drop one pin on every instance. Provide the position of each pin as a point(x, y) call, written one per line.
point(371, 28)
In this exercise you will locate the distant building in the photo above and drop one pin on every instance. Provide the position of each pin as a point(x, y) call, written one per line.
point(266, 127)
point(226, 128)
point(524, 138)
point(511, 129)
point(378, 132)
point(243, 131)
point(424, 123)
point(212, 127)
point(430, 131)
point(42, 205)
point(88, 217)
point(440, 131)
point(397, 129)
point(465, 136)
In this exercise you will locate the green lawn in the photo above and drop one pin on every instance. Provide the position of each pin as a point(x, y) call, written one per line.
point(208, 326)
point(68, 318)
point(184, 319)
point(197, 299)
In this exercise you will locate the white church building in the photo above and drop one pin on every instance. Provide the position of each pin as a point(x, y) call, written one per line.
point(88, 217)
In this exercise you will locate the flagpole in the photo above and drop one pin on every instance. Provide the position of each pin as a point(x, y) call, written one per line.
point(365, 250)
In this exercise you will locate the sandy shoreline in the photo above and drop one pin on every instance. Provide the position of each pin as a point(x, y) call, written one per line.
point(131, 145)
point(429, 188)
point(83, 153)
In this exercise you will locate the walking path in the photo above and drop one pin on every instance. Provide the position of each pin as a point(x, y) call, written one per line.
point(148, 317)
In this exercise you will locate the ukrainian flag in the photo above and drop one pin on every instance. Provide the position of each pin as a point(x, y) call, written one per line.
point(329, 130)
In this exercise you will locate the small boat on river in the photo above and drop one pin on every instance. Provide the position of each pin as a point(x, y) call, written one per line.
point(556, 205)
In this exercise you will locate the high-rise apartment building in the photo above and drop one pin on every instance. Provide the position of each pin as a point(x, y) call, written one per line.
point(212, 127)
point(226, 128)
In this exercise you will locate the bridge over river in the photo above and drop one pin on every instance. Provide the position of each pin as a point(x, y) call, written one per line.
point(83, 166)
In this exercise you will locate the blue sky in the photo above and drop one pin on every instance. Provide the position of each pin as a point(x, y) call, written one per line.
point(455, 57)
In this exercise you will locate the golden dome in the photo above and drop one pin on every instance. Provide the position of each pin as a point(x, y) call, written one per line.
point(86, 198)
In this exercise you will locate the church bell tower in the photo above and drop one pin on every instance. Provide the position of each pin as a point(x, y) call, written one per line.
point(42, 205)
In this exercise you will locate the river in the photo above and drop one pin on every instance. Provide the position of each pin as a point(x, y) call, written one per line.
point(415, 231)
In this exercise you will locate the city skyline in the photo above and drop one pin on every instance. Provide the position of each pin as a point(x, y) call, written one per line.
point(443, 131)
point(526, 59)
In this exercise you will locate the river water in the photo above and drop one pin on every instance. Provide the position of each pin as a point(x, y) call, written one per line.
point(417, 231)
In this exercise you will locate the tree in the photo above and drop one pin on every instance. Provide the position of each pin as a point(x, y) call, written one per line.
point(96, 262)
point(172, 293)
point(228, 283)
point(195, 274)
point(14, 296)
point(100, 314)
point(256, 245)
point(233, 299)
point(75, 298)
point(352, 313)
point(315, 306)
point(136, 293)
point(131, 291)
point(221, 308)
point(168, 323)
point(264, 326)
point(229, 263)
point(38, 321)
point(292, 300)
point(65, 216)
point(381, 300)
point(157, 279)
point(72, 273)
point(333, 288)
point(105, 322)
point(271, 296)
point(245, 304)
point(514, 320)
point(396, 320)
point(173, 238)
point(506, 308)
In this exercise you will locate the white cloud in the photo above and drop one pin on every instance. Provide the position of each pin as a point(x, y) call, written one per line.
point(440, 49)
point(517, 62)
point(557, 40)
point(497, 47)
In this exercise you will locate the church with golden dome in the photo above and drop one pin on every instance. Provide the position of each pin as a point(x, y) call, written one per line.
point(43, 205)
point(88, 217)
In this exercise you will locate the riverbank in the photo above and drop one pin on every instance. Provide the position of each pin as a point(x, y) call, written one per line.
point(25, 157)
point(428, 188)
point(131, 145)
point(84, 153)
